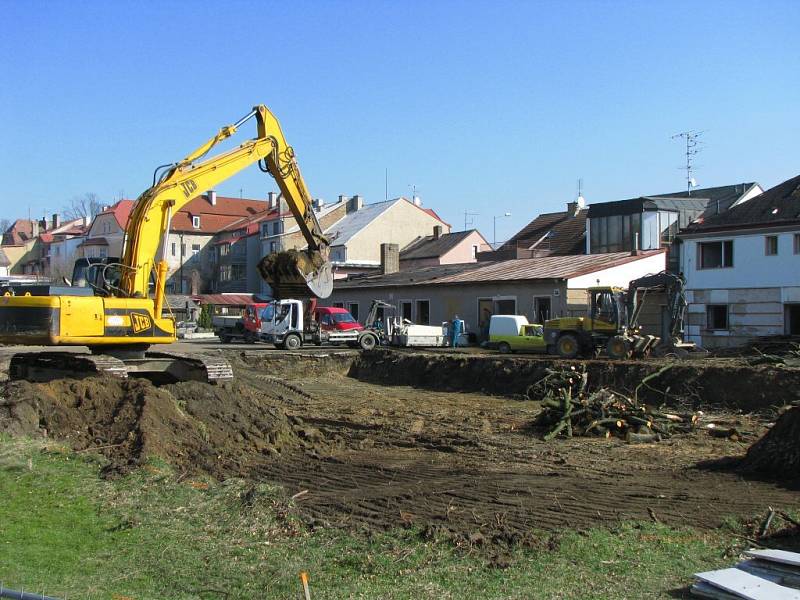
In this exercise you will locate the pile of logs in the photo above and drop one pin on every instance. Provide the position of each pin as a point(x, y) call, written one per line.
point(569, 408)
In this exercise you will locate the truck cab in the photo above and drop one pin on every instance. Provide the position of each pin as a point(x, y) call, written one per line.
point(513, 333)
point(286, 324)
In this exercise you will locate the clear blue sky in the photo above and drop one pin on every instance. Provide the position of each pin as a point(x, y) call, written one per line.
point(488, 107)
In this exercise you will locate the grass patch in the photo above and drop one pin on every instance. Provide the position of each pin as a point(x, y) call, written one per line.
point(148, 536)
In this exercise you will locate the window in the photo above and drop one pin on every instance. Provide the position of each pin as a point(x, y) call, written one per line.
point(405, 309)
point(264, 229)
point(771, 245)
point(103, 252)
point(173, 248)
point(224, 249)
point(797, 243)
point(196, 222)
point(273, 247)
point(474, 251)
point(225, 273)
point(423, 312)
point(717, 316)
point(338, 305)
point(353, 308)
point(195, 249)
point(238, 272)
point(277, 227)
point(715, 255)
point(183, 250)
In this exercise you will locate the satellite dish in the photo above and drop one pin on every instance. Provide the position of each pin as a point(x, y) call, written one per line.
point(693, 182)
point(581, 202)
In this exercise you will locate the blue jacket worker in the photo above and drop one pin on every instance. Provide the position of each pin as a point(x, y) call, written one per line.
point(456, 329)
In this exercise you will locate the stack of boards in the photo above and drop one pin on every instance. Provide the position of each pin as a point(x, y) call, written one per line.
point(764, 575)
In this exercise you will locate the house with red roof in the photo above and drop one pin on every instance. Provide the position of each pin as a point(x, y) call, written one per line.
point(27, 244)
point(107, 232)
point(190, 252)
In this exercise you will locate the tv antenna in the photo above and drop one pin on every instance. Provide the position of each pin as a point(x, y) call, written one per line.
point(693, 147)
point(469, 218)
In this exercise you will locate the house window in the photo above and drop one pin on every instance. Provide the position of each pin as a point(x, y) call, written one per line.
point(225, 273)
point(717, 316)
point(715, 255)
point(353, 308)
point(771, 245)
point(474, 251)
point(196, 222)
point(238, 272)
point(797, 243)
point(103, 252)
point(273, 247)
point(423, 312)
point(195, 249)
point(405, 309)
point(338, 305)
point(183, 250)
point(224, 249)
point(277, 227)
point(264, 229)
point(173, 248)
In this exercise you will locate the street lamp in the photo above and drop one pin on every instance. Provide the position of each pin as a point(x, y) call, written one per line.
point(494, 228)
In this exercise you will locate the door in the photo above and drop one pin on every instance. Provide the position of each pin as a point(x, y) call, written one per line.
point(532, 339)
point(793, 319)
point(541, 309)
point(485, 312)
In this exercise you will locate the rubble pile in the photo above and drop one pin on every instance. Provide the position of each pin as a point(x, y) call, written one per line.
point(777, 453)
point(569, 409)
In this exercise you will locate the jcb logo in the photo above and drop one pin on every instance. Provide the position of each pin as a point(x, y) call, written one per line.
point(140, 322)
point(188, 186)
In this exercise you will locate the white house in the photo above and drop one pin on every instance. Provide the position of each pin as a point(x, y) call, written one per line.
point(742, 270)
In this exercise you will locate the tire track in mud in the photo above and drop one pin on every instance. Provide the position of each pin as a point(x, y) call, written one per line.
point(462, 464)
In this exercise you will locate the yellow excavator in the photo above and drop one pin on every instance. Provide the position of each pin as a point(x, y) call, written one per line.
point(115, 306)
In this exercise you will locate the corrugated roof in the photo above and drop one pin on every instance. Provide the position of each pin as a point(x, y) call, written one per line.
point(224, 299)
point(779, 205)
point(430, 247)
point(520, 269)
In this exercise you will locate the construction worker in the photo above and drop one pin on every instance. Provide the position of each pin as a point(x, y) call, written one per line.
point(456, 329)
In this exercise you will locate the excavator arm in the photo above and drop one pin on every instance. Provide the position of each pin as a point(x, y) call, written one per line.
point(150, 220)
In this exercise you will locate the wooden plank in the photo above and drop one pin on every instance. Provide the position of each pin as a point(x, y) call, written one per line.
point(747, 586)
point(781, 556)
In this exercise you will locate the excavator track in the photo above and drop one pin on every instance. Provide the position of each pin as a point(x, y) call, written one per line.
point(160, 367)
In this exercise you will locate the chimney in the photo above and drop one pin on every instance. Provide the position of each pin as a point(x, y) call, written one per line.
point(355, 203)
point(318, 203)
point(56, 221)
point(437, 231)
point(342, 198)
point(43, 225)
point(86, 220)
point(34, 228)
point(272, 200)
point(212, 197)
point(573, 208)
point(390, 258)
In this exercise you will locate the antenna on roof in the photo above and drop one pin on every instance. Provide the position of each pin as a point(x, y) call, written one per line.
point(468, 218)
point(692, 147)
point(581, 201)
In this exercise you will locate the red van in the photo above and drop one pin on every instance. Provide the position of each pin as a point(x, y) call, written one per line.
point(331, 318)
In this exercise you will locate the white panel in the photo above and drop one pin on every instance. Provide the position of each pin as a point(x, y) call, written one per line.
point(791, 294)
point(781, 556)
point(748, 586)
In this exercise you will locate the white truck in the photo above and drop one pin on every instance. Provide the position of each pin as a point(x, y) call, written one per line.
point(289, 325)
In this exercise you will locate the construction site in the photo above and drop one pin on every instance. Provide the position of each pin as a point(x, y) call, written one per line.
point(451, 444)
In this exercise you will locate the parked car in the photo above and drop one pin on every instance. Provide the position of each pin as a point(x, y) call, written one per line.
point(513, 333)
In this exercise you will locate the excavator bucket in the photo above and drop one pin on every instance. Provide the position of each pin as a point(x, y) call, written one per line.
point(297, 274)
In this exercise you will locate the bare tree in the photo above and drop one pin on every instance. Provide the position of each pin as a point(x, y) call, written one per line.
point(4, 225)
point(79, 207)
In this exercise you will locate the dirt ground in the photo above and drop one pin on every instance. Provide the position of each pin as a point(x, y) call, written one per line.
point(359, 453)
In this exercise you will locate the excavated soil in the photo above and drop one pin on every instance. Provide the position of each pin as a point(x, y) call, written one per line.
point(360, 448)
point(778, 452)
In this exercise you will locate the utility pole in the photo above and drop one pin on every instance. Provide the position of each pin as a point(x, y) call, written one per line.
point(468, 218)
point(692, 148)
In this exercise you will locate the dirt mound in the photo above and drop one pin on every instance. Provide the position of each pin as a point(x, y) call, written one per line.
point(777, 454)
point(195, 426)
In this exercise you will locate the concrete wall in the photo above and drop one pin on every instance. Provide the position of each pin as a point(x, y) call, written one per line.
point(757, 289)
point(446, 301)
point(201, 263)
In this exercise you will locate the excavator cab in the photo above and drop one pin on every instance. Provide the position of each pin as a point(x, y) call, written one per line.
point(608, 313)
point(102, 274)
